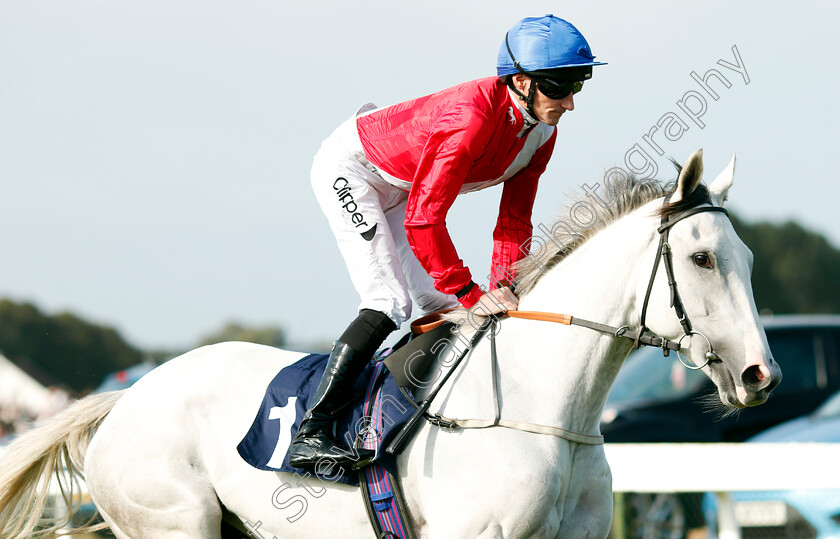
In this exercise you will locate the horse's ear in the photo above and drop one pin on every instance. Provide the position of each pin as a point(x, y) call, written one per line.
point(720, 187)
point(690, 177)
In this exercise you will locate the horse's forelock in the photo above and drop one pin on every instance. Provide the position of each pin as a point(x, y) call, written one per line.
point(698, 197)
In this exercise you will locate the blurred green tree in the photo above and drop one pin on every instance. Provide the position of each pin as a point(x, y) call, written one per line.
point(234, 331)
point(62, 349)
point(794, 270)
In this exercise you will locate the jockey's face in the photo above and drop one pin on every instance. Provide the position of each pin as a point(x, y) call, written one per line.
point(547, 110)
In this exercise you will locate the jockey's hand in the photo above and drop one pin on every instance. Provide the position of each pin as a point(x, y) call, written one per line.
point(496, 301)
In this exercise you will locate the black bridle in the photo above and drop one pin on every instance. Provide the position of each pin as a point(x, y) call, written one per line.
point(664, 251)
point(643, 336)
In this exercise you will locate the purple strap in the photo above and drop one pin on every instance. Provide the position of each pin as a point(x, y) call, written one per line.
point(377, 479)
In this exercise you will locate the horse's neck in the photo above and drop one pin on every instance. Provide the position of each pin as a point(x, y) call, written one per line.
point(560, 375)
point(600, 279)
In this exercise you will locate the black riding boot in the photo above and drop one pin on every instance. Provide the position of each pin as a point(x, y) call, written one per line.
point(314, 440)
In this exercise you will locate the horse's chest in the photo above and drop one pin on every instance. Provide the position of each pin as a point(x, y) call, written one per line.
point(505, 488)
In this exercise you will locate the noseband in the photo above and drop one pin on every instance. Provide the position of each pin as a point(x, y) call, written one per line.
point(664, 251)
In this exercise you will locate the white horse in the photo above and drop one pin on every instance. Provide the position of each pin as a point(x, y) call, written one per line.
point(162, 460)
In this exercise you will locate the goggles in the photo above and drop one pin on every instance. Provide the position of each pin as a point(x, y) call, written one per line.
point(556, 90)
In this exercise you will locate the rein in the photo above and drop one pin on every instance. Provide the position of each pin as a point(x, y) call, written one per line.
point(642, 336)
point(646, 339)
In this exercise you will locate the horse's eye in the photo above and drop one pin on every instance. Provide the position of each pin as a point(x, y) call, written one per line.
point(702, 260)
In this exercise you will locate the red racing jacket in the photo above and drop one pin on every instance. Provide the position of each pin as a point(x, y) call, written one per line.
point(465, 138)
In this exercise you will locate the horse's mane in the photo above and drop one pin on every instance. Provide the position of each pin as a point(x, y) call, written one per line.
point(623, 195)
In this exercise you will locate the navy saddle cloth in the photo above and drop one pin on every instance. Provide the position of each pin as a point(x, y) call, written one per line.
point(266, 444)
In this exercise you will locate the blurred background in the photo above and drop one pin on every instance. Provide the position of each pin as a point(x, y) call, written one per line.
point(154, 159)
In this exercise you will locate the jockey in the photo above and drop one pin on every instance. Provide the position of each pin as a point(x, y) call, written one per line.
point(387, 177)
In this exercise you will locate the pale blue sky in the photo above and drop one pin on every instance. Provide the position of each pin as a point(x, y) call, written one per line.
point(154, 155)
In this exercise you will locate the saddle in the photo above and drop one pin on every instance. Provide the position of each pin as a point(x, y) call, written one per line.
point(409, 362)
point(384, 400)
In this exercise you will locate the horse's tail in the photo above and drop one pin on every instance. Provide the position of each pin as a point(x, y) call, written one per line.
point(54, 450)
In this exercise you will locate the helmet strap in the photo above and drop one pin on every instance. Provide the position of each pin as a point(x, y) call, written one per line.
point(529, 99)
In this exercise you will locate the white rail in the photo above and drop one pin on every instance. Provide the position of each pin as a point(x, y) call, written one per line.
point(723, 468)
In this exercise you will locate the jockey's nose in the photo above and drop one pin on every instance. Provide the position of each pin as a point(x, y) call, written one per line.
point(568, 102)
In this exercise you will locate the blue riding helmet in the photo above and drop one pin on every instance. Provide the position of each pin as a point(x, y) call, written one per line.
point(543, 43)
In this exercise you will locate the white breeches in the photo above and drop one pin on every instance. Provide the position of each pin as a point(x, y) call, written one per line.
point(367, 215)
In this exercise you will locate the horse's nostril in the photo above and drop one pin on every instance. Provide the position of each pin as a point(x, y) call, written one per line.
point(755, 378)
